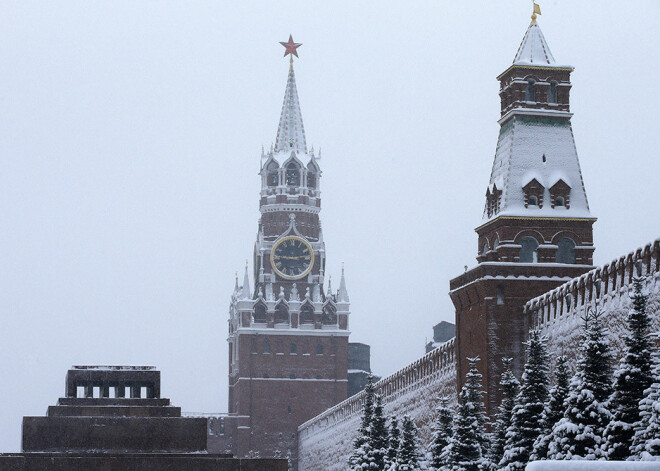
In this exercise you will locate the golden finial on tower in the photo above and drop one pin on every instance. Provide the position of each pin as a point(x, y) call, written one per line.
point(536, 11)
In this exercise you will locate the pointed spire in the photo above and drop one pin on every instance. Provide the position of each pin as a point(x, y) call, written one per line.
point(342, 294)
point(534, 49)
point(245, 291)
point(236, 282)
point(290, 132)
point(330, 285)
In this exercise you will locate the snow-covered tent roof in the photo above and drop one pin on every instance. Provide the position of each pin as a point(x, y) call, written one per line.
point(290, 132)
point(534, 49)
point(530, 148)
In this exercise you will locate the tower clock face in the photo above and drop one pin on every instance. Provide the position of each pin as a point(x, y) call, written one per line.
point(292, 258)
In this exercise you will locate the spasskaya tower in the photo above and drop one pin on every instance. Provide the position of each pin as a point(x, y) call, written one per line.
point(288, 336)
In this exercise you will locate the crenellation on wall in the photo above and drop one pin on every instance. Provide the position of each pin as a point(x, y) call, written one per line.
point(559, 313)
point(598, 285)
point(325, 442)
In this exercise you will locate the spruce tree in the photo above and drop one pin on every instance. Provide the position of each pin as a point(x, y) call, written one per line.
point(526, 425)
point(378, 436)
point(442, 433)
point(361, 456)
point(579, 434)
point(466, 450)
point(554, 411)
point(646, 440)
point(476, 397)
point(408, 459)
point(509, 387)
point(394, 442)
point(633, 377)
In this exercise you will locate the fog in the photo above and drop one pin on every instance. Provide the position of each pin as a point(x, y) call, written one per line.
point(130, 139)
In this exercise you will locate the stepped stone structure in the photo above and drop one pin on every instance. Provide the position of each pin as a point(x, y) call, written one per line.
point(112, 418)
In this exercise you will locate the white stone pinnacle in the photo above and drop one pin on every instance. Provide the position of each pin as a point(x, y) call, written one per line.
point(290, 132)
point(342, 294)
point(245, 291)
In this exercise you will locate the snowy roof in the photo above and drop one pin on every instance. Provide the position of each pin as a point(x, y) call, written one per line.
point(290, 132)
point(535, 147)
point(283, 157)
point(534, 50)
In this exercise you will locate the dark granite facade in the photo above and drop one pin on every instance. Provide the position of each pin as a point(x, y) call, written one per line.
point(113, 418)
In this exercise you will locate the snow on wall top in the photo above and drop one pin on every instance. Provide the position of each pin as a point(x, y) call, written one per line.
point(326, 441)
point(535, 147)
point(534, 50)
point(290, 132)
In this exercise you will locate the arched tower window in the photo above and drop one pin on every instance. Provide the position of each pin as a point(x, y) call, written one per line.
point(292, 174)
point(312, 179)
point(260, 313)
point(329, 315)
point(306, 314)
point(281, 314)
point(565, 250)
point(559, 201)
point(500, 294)
point(528, 250)
point(266, 346)
point(552, 92)
point(533, 201)
point(271, 174)
point(530, 91)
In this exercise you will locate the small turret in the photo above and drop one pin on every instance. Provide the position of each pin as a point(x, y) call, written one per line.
point(342, 294)
point(245, 289)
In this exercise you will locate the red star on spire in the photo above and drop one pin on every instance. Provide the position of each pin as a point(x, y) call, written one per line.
point(290, 47)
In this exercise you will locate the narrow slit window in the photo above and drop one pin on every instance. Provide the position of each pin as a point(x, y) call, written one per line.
point(552, 92)
point(530, 91)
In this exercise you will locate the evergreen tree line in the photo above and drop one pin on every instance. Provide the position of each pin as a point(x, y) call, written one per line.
point(585, 416)
point(382, 447)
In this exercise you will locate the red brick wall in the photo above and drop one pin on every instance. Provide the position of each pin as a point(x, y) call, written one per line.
point(277, 405)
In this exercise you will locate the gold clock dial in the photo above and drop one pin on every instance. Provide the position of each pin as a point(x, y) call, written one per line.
point(292, 258)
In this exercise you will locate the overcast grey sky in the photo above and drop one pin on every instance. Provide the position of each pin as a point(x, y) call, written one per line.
point(130, 136)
